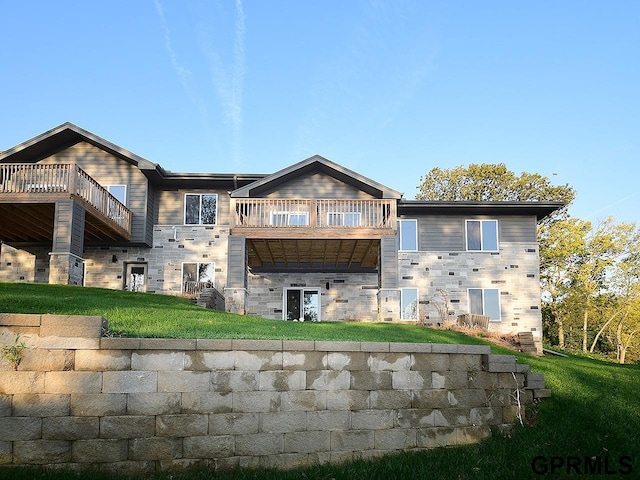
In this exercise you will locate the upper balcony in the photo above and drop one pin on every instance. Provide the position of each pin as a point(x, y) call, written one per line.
point(317, 218)
point(28, 193)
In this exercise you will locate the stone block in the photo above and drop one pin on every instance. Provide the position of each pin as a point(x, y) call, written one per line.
point(430, 399)
point(482, 380)
point(467, 398)
point(307, 442)
point(541, 393)
point(436, 437)
point(411, 380)
point(265, 345)
point(499, 363)
point(183, 465)
point(385, 399)
point(444, 348)
point(415, 418)
point(5, 406)
point(98, 405)
point(12, 382)
point(209, 360)
point(99, 450)
point(346, 361)
point(375, 347)
point(41, 360)
point(390, 361)
point(183, 425)
point(71, 326)
point(155, 448)
point(20, 319)
point(352, 440)
point(40, 405)
point(234, 423)
point(133, 381)
point(41, 452)
point(332, 346)
point(374, 380)
point(73, 382)
point(302, 360)
point(535, 381)
point(20, 428)
point(213, 344)
point(157, 360)
point(472, 434)
point(452, 417)
point(298, 345)
point(465, 362)
point(6, 455)
point(234, 381)
point(430, 362)
point(329, 420)
point(303, 400)
point(70, 428)
point(117, 343)
point(486, 416)
point(347, 399)
point(184, 381)
point(101, 360)
point(142, 469)
point(449, 380)
point(68, 343)
point(229, 464)
point(259, 402)
point(328, 380)
point(372, 419)
point(282, 380)
point(153, 403)
point(258, 360)
point(283, 422)
point(167, 344)
point(511, 413)
point(410, 347)
point(206, 402)
point(259, 444)
point(474, 349)
point(127, 426)
point(284, 461)
point(396, 439)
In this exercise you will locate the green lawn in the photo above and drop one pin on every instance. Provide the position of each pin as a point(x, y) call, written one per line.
point(594, 412)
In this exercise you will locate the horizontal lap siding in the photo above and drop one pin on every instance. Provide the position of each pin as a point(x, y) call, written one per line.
point(316, 185)
point(170, 203)
point(107, 169)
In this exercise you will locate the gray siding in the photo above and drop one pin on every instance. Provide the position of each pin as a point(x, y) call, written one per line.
point(236, 275)
point(68, 235)
point(170, 206)
point(109, 170)
point(389, 262)
point(316, 185)
point(447, 233)
point(152, 208)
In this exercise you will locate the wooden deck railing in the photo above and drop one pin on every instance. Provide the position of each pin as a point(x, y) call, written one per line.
point(301, 213)
point(39, 178)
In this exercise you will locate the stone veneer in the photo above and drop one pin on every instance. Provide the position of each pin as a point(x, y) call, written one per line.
point(139, 405)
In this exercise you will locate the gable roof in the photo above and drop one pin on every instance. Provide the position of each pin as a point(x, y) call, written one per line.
point(312, 164)
point(64, 136)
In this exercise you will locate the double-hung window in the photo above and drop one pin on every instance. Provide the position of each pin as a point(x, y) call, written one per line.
point(482, 235)
point(485, 301)
point(408, 235)
point(200, 208)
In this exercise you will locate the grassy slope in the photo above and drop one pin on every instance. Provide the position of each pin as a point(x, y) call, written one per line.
point(594, 410)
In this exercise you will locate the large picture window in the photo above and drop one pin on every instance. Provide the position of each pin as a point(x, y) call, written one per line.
point(485, 301)
point(409, 304)
point(482, 235)
point(197, 276)
point(200, 208)
point(408, 235)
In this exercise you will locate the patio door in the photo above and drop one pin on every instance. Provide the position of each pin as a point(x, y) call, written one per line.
point(302, 304)
point(136, 277)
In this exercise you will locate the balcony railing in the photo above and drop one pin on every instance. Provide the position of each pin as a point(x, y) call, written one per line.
point(37, 179)
point(300, 213)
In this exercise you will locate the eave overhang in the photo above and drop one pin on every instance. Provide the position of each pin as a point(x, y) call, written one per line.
point(423, 207)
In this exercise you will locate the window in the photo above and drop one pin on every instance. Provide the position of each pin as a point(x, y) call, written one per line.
point(289, 219)
point(408, 235)
point(409, 304)
point(482, 235)
point(196, 277)
point(485, 301)
point(118, 191)
point(343, 219)
point(200, 209)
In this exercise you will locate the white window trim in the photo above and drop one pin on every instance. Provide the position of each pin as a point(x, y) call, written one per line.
point(342, 214)
point(484, 309)
point(126, 191)
point(213, 280)
point(466, 234)
point(285, 290)
point(288, 214)
point(184, 216)
point(414, 220)
point(402, 290)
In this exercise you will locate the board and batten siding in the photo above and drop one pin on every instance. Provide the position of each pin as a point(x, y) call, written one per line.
point(447, 233)
point(316, 185)
point(170, 205)
point(107, 169)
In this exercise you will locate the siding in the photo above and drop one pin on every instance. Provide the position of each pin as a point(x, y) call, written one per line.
point(68, 233)
point(446, 233)
point(107, 169)
point(316, 185)
point(236, 275)
point(170, 206)
point(389, 262)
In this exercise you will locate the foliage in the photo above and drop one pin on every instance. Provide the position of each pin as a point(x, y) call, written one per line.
point(13, 353)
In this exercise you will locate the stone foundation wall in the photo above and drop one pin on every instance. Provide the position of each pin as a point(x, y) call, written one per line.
point(136, 406)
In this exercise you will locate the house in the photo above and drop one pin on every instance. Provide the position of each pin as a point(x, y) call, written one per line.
point(313, 241)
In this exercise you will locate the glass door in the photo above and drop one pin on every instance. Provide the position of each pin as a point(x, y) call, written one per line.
point(302, 304)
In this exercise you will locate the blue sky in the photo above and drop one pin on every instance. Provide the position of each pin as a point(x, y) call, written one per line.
point(388, 88)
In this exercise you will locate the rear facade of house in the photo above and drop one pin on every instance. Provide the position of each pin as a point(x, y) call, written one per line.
point(314, 241)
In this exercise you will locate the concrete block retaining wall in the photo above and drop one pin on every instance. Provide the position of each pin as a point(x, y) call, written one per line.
point(131, 405)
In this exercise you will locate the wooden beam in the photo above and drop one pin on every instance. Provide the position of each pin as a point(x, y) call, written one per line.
point(353, 252)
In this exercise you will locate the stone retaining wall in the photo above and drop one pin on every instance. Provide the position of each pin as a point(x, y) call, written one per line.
point(131, 405)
